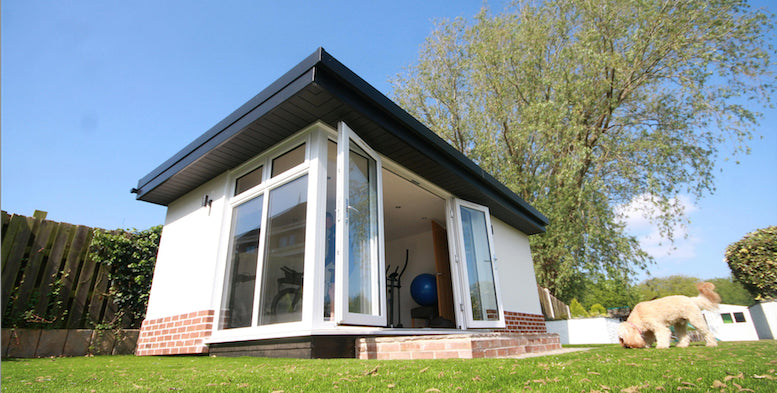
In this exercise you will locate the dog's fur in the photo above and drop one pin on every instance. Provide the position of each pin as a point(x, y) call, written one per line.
point(649, 321)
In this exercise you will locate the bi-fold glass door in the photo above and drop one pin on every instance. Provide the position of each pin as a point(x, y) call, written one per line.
point(360, 284)
point(477, 271)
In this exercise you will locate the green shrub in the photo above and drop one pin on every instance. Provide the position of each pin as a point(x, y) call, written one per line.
point(753, 261)
point(131, 256)
point(577, 310)
point(597, 310)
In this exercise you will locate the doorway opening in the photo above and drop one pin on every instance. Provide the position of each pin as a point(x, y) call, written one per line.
point(416, 230)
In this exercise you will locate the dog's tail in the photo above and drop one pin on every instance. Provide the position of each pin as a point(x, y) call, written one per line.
point(708, 299)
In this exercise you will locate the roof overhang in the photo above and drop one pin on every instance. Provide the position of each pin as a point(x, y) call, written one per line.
point(320, 88)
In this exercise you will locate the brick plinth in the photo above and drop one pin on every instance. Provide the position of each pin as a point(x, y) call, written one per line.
point(460, 346)
point(176, 335)
point(516, 322)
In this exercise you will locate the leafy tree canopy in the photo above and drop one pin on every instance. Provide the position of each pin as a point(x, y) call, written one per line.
point(610, 293)
point(580, 107)
point(667, 286)
point(732, 292)
point(753, 260)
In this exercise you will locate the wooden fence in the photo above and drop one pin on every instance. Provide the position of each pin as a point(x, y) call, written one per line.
point(552, 308)
point(48, 279)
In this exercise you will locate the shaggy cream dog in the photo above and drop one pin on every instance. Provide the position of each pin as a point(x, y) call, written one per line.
point(649, 321)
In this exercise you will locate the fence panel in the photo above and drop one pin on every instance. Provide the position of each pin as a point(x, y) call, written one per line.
point(48, 278)
point(552, 308)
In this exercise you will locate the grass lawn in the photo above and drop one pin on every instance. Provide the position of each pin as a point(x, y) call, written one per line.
point(730, 367)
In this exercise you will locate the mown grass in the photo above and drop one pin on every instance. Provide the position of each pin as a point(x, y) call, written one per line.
point(731, 367)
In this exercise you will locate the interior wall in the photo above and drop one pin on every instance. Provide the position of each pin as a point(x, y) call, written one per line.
point(421, 260)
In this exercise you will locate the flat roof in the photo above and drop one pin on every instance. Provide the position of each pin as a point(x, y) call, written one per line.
point(322, 88)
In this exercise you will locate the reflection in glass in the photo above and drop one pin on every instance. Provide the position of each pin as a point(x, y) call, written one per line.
point(479, 265)
point(329, 258)
point(281, 298)
point(249, 180)
point(241, 271)
point(288, 160)
point(362, 229)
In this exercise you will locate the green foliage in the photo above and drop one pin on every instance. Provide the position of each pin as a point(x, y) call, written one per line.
point(597, 310)
point(610, 293)
point(577, 310)
point(753, 261)
point(732, 292)
point(131, 256)
point(666, 286)
point(54, 315)
point(580, 107)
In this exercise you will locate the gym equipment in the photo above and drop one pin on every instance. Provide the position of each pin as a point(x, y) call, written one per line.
point(423, 289)
point(393, 284)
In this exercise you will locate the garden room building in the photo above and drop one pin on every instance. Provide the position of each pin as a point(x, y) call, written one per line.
point(297, 225)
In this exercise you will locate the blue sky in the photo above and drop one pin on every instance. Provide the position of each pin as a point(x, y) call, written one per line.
point(97, 94)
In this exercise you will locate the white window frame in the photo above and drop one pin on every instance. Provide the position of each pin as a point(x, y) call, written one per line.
point(268, 184)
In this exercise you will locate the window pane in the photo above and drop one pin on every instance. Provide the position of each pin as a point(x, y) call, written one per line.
point(281, 299)
point(479, 265)
point(288, 160)
point(362, 229)
point(249, 180)
point(241, 270)
point(329, 259)
point(726, 318)
point(739, 317)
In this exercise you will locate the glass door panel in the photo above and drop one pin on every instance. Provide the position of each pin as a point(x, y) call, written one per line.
point(281, 298)
point(476, 245)
point(241, 272)
point(360, 286)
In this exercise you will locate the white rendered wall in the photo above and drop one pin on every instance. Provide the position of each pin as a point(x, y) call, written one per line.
point(516, 269)
point(585, 330)
point(765, 319)
point(185, 271)
point(735, 331)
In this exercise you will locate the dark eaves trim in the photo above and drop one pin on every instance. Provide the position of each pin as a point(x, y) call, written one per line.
point(295, 79)
point(323, 69)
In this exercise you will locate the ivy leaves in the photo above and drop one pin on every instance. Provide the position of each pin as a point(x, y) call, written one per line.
point(130, 256)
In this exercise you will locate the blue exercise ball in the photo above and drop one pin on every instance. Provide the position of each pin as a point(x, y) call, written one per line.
point(423, 289)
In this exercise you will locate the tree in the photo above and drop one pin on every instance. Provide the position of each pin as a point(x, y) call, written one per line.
point(666, 286)
point(610, 293)
point(580, 107)
point(732, 292)
point(753, 260)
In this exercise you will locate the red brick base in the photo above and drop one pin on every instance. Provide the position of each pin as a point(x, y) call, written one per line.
point(516, 322)
point(175, 335)
point(461, 346)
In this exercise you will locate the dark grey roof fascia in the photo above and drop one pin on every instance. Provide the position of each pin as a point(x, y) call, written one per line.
point(321, 69)
point(302, 74)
